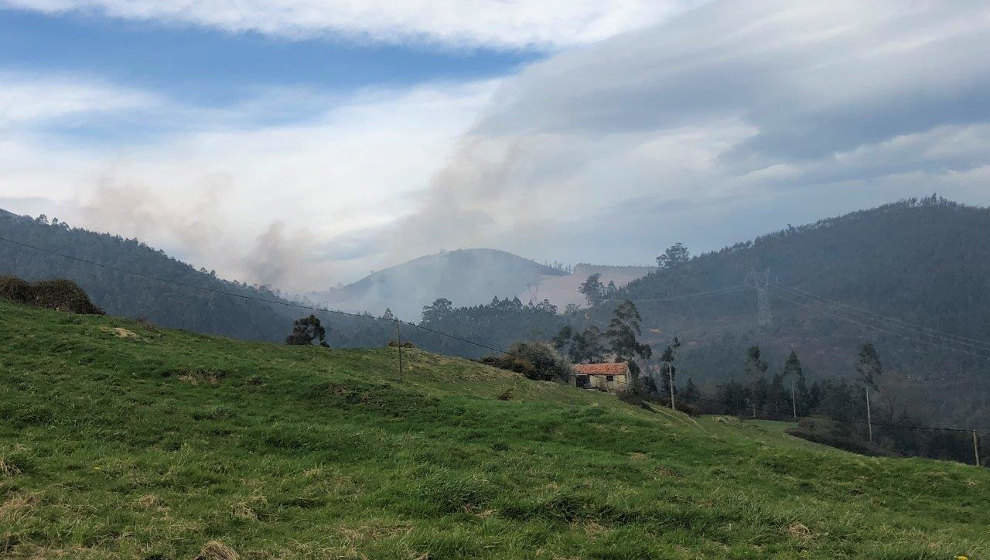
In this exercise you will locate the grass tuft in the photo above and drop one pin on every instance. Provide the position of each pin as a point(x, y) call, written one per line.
point(216, 550)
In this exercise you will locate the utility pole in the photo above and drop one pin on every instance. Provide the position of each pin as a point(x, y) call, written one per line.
point(670, 377)
point(398, 343)
point(869, 421)
point(793, 400)
point(976, 448)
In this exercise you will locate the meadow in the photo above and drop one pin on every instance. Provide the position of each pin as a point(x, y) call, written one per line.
point(119, 439)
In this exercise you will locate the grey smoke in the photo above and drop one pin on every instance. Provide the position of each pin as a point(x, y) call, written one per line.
point(724, 123)
point(196, 229)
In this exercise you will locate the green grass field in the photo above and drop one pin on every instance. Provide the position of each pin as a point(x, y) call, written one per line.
point(147, 443)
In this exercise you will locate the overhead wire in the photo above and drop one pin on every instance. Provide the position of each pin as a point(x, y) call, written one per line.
point(887, 329)
point(964, 340)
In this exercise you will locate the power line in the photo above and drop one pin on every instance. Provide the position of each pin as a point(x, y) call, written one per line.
point(728, 290)
point(965, 340)
point(455, 337)
point(945, 343)
point(220, 291)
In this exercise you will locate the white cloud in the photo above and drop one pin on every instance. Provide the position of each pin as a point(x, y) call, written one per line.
point(723, 123)
point(499, 23)
point(30, 99)
point(729, 121)
point(215, 191)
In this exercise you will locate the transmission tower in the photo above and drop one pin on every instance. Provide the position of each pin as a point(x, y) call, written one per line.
point(761, 283)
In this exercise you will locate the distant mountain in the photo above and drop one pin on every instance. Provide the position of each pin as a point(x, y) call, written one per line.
point(466, 277)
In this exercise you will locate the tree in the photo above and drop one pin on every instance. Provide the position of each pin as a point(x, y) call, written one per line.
point(675, 255)
point(535, 360)
point(562, 342)
point(868, 366)
point(388, 315)
point(795, 372)
point(757, 385)
point(589, 346)
point(441, 308)
point(580, 347)
point(306, 330)
point(622, 334)
point(593, 290)
point(792, 367)
point(690, 394)
point(668, 372)
point(755, 366)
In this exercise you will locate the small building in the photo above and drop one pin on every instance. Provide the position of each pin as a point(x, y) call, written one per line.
point(612, 378)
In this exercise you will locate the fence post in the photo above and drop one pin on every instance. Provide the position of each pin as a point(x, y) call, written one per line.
point(976, 448)
point(670, 377)
point(869, 421)
point(398, 342)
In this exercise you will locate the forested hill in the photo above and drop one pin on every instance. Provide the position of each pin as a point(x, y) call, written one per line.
point(188, 299)
point(142, 282)
point(870, 276)
point(465, 276)
point(925, 261)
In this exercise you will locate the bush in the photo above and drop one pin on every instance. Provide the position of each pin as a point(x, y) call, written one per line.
point(60, 295)
point(64, 295)
point(15, 289)
point(535, 360)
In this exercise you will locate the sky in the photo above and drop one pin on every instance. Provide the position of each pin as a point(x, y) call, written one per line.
point(305, 143)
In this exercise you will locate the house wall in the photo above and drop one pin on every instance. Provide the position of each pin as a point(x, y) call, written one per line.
point(617, 385)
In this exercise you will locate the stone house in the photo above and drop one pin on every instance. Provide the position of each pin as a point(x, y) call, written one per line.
point(612, 378)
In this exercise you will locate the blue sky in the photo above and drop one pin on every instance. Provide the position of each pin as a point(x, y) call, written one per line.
point(303, 143)
point(208, 66)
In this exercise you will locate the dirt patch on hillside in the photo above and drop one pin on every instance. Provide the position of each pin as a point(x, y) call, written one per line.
point(198, 376)
point(120, 332)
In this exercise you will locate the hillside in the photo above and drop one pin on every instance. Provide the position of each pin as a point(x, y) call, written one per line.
point(189, 298)
point(863, 277)
point(465, 276)
point(563, 290)
point(134, 280)
point(122, 441)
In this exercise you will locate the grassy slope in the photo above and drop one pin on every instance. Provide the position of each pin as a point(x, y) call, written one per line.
point(148, 447)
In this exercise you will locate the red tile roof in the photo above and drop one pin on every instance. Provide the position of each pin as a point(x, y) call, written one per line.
point(601, 369)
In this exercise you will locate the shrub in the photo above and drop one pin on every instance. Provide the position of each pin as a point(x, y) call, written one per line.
point(63, 295)
point(15, 289)
point(535, 360)
point(305, 331)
